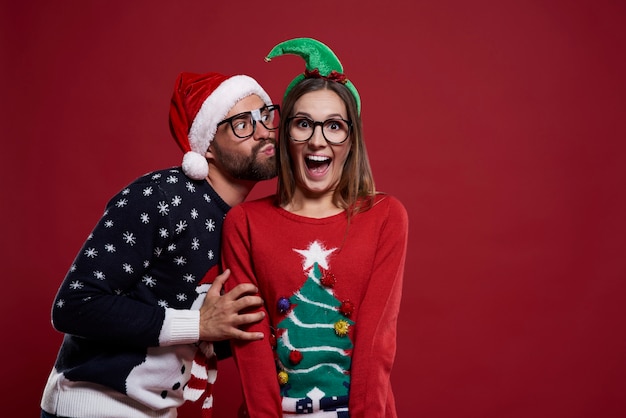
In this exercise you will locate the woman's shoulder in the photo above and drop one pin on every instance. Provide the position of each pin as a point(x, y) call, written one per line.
point(262, 204)
point(389, 202)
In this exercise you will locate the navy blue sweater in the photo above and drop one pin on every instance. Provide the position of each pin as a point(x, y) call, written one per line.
point(141, 265)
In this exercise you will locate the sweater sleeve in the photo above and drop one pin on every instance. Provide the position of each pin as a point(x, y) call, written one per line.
point(375, 333)
point(93, 301)
point(254, 359)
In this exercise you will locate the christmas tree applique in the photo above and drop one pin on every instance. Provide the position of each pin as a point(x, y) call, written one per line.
point(313, 346)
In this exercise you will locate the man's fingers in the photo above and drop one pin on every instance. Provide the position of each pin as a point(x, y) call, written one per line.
point(247, 302)
point(247, 336)
point(240, 290)
point(244, 319)
point(218, 283)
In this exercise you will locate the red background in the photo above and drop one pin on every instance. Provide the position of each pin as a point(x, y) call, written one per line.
point(499, 124)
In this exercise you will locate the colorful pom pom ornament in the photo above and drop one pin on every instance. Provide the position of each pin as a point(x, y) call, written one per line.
point(342, 327)
point(283, 378)
point(328, 279)
point(346, 308)
point(283, 305)
point(295, 357)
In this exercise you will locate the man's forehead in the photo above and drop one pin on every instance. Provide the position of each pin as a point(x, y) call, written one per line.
point(247, 104)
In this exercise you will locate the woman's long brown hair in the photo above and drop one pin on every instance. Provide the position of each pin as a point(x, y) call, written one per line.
point(356, 189)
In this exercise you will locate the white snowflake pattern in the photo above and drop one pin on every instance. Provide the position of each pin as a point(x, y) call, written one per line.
point(127, 268)
point(146, 264)
point(148, 191)
point(129, 237)
point(180, 260)
point(163, 233)
point(121, 203)
point(163, 207)
point(110, 248)
point(162, 303)
point(106, 212)
point(195, 244)
point(118, 291)
point(171, 247)
point(108, 223)
point(158, 251)
point(189, 278)
point(181, 297)
point(177, 200)
point(144, 218)
point(194, 214)
point(99, 275)
point(91, 252)
point(89, 237)
point(126, 191)
point(210, 225)
point(207, 197)
point(172, 179)
point(73, 268)
point(76, 285)
point(156, 176)
point(149, 281)
point(190, 187)
point(181, 226)
point(60, 303)
point(211, 255)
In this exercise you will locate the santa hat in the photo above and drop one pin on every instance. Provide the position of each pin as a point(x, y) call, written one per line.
point(199, 103)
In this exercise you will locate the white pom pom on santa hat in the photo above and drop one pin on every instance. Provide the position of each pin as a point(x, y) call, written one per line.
point(199, 103)
point(195, 165)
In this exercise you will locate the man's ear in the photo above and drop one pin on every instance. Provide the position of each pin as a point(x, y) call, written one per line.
point(209, 155)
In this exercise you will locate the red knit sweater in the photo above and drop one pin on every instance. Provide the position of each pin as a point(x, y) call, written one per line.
point(332, 295)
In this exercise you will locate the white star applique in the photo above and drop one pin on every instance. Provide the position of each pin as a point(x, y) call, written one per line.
point(316, 253)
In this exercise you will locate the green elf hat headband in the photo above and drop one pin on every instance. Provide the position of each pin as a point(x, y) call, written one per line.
point(320, 60)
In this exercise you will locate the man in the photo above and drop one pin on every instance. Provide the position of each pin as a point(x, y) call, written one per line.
point(136, 306)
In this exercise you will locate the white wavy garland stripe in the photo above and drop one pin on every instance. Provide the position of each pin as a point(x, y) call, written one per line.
point(312, 302)
point(301, 324)
point(285, 339)
point(317, 366)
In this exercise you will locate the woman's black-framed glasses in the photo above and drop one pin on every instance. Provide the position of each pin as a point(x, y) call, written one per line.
point(244, 124)
point(335, 131)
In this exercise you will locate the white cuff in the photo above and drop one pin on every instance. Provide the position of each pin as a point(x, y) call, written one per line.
point(180, 327)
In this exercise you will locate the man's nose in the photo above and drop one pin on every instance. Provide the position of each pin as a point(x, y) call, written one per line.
point(260, 131)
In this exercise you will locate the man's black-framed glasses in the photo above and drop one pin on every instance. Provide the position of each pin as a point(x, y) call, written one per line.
point(335, 131)
point(244, 124)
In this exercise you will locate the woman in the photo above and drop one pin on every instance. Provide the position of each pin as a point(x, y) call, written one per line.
point(327, 255)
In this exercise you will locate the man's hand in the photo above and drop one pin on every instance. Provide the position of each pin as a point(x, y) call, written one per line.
point(219, 314)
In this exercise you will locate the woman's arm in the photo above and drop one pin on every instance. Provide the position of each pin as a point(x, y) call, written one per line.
point(254, 359)
point(375, 332)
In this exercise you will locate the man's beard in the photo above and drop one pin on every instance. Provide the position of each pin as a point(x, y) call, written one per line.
point(244, 167)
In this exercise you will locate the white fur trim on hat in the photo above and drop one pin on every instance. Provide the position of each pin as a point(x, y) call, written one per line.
point(214, 110)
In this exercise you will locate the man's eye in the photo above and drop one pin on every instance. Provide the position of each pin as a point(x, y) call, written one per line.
point(240, 125)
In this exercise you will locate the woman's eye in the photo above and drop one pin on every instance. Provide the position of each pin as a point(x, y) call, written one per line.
point(332, 125)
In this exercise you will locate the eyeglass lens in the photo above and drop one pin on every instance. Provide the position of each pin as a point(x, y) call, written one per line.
point(334, 131)
point(244, 125)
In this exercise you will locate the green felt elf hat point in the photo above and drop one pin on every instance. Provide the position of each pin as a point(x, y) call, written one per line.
point(320, 61)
